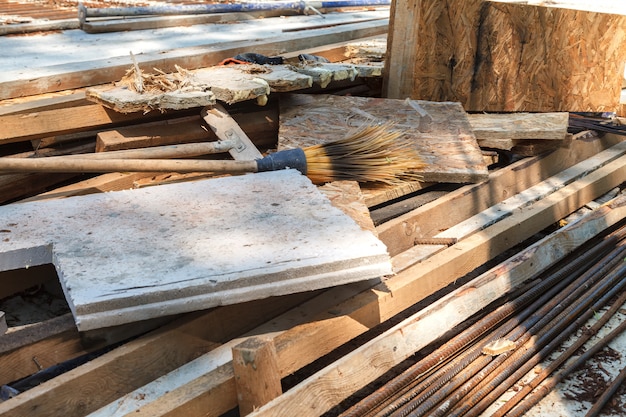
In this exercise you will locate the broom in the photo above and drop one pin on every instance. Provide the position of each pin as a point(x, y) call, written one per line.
point(371, 154)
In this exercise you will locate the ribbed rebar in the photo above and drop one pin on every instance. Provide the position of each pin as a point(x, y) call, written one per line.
point(544, 388)
point(521, 335)
point(553, 334)
point(553, 365)
point(549, 288)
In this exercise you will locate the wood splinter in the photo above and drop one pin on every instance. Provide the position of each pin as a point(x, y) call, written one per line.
point(498, 347)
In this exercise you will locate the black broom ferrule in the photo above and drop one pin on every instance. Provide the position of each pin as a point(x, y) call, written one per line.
point(290, 158)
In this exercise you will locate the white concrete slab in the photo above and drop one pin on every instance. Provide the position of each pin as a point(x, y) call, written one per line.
point(137, 254)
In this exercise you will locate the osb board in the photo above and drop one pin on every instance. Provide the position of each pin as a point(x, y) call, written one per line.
point(441, 134)
point(505, 56)
point(132, 255)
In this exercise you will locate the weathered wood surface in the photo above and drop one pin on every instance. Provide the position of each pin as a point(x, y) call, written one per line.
point(328, 387)
point(510, 130)
point(257, 376)
point(440, 132)
point(430, 219)
point(505, 56)
point(334, 317)
point(240, 251)
point(231, 84)
point(77, 75)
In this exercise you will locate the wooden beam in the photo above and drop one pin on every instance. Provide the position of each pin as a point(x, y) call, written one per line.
point(35, 347)
point(22, 127)
point(257, 376)
point(103, 380)
point(76, 75)
point(328, 387)
point(507, 130)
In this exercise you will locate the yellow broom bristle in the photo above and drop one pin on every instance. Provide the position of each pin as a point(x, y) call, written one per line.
point(371, 154)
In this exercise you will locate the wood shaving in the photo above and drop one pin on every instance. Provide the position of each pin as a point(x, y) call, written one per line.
point(157, 82)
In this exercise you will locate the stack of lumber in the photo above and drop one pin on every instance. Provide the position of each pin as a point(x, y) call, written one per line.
point(491, 214)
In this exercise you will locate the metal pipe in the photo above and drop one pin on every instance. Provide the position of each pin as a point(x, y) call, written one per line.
point(188, 9)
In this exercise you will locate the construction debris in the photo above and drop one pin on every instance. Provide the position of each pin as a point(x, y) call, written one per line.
point(261, 294)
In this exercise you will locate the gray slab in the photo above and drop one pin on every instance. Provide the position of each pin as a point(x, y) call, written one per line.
point(133, 255)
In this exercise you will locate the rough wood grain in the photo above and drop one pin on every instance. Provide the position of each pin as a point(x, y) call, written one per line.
point(257, 376)
point(441, 134)
point(546, 126)
point(505, 56)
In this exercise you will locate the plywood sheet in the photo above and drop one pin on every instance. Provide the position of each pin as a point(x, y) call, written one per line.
point(133, 255)
point(439, 131)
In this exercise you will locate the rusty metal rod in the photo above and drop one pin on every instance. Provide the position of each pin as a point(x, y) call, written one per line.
point(543, 389)
point(398, 386)
point(432, 383)
point(606, 395)
point(544, 314)
point(547, 338)
point(569, 352)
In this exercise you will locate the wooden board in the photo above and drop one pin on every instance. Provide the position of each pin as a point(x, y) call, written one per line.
point(77, 75)
point(505, 55)
point(134, 255)
point(441, 134)
point(430, 219)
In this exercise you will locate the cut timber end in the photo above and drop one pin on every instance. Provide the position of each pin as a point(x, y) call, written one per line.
point(506, 56)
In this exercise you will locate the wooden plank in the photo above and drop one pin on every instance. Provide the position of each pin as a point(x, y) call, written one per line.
point(328, 387)
point(187, 276)
point(532, 194)
point(256, 373)
point(16, 186)
point(546, 126)
point(153, 357)
point(192, 386)
point(124, 100)
point(261, 126)
point(505, 55)
point(304, 343)
point(75, 75)
point(22, 127)
point(150, 22)
point(29, 349)
point(441, 133)
point(130, 367)
point(400, 233)
point(107, 182)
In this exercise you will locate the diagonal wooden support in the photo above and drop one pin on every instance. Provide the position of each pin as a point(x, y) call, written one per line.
point(257, 375)
point(226, 128)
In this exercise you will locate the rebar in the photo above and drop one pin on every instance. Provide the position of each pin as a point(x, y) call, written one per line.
point(552, 366)
point(545, 290)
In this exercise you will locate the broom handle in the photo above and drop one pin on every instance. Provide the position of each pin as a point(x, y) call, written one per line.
point(76, 164)
point(166, 151)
